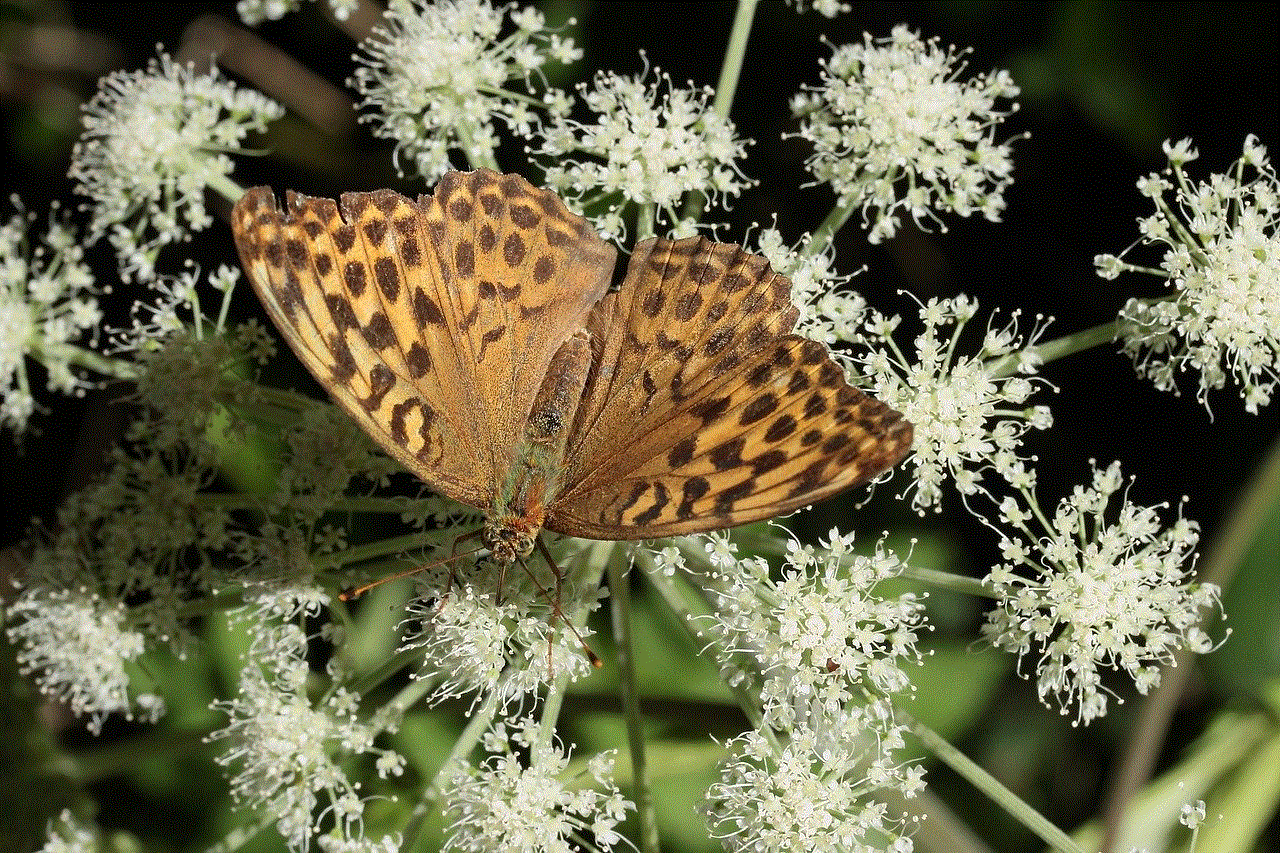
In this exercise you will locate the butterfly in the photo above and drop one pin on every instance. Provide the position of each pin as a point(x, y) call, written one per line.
point(474, 335)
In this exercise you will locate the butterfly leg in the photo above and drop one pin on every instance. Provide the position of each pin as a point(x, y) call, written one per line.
point(557, 612)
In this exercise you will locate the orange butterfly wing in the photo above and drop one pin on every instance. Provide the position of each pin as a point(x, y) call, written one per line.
point(703, 412)
point(431, 322)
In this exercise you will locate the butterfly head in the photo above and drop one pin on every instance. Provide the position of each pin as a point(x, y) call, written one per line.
point(509, 539)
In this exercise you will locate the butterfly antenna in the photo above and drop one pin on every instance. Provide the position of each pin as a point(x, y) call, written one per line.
point(348, 595)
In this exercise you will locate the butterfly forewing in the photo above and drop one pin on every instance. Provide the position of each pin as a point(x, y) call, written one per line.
point(703, 412)
point(521, 274)
point(396, 308)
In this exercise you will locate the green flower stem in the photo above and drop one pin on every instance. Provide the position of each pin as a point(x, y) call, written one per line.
point(409, 694)
point(620, 597)
point(345, 504)
point(1053, 350)
point(389, 667)
point(1221, 559)
point(392, 545)
point(646, 221)
point(726, 87)
point(290, 401)
point(218, 603)
point(114, 367)
point(467, 140)
point(226, 188)
point(821, 238)
point(945, 580)
point(551, 705)
point(466, 742)
point(471, 735)
point(1212, 765)
point(993, 789)
point(242, 835)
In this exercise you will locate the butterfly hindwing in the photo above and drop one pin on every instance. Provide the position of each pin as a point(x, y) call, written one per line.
point(704, 412)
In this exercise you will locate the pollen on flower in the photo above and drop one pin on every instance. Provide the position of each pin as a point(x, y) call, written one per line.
point(475, 639)
point(285, 749)
point(510, 802)
point(1221, 263)
point(153, 141)
point(79, 645)
point(821, 634)
point(254, 12)
point(822, 789)
point(895, 130)
point(830, 310)
point(968, 414)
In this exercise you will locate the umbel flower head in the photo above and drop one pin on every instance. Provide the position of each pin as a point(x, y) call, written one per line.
point(435, 78)
point(1221, 263)
point(895, 130)
point(650, 144)
point(1109, 589)
point(507, 804)
point(153, 141)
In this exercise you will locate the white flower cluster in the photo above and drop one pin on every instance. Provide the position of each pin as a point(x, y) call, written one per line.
point(254, 12)
point(153, 141)
point(534, 805)
point(826, 8)
point(895, 130)
point(830, 653)
point(821, 792)
point(492, 633)
point(1222, 263)
point(79, 645)
point(653, 144)
point(433, 78)
point(821, 636)
point(48, 300)
point(967, 415)
point(1110, 589)
point(287, 748)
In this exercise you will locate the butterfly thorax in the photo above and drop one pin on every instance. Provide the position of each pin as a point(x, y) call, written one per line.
point(534, 476)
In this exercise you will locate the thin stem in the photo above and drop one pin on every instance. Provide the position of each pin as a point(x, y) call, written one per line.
point(393, 545)
point(993, 789)
point(955, 583)
point(735, 54)
point(473, 732)
point(226, 188)
point(114, 367)
point(1060, 348)
point(684, 617)
point(620, 597)
point(821, 238)
point(370, 680)
point(646, 221)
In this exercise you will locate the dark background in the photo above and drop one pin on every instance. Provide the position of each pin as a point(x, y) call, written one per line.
point(1103, 84)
